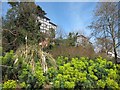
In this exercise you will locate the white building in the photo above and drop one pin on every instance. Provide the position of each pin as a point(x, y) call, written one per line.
point(45, 24)
point(82, 40)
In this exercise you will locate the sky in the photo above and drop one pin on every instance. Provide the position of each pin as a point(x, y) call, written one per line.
point(70, 16)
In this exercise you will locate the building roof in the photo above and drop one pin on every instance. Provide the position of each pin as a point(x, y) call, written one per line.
point(46, 18)
point(53, 24)
point(82, 36)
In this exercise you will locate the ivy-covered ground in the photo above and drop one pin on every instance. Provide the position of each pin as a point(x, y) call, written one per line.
point(71, 73)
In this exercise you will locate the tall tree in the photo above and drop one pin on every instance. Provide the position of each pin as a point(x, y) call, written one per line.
point(105, 23)
point(72, 38)
point(20, 22)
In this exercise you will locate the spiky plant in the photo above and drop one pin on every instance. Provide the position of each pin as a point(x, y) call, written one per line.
point(34, 53)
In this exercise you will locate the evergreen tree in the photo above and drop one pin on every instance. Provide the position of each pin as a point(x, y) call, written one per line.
point(21, 21)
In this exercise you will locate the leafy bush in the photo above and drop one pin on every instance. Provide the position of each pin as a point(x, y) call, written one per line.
point(31, 79)
point(9, 85)
point(8, 70)
point(86, 73)
point(74, 73)
point(51, 73)
point(29, 74)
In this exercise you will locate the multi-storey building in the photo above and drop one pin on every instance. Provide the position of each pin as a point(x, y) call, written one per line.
point(46, 27)
point(45, 24)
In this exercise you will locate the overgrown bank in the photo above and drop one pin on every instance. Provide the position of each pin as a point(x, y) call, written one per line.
point(74, 73)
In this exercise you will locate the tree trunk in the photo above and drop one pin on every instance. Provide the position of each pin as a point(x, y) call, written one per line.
point(115, 52)
point(114, 46)
point(114, 43)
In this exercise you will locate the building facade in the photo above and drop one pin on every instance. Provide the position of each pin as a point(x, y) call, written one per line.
point(82, 40)
point(46, 27)
point(45, 24)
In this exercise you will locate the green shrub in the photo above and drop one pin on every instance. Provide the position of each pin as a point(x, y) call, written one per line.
point(9, 85)
point(86, 73)
point(22, 71)
point(32, 79)
point(39, 75)
point(74, 73)
point(23, 85)
point(8, 70)
point(51, 73)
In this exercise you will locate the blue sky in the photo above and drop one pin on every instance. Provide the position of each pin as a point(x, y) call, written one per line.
point(70, 16)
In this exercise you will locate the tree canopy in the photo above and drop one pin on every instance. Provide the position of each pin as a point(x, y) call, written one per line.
point(105, 23)
point(20, 22)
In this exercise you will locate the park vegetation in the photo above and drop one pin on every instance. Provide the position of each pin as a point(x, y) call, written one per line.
point(62, 64)
point(72, 73)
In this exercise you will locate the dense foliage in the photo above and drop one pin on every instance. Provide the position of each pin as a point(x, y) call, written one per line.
point(21, 73)
point(82, 72)
point(20, 22)
point(29, 67)
point(75, 73)
point(10, 84)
